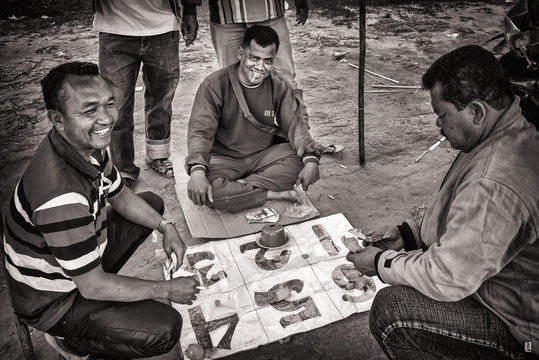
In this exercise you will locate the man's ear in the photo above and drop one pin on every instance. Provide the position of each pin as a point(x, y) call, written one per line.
point(240, 53)
point(56, 119)
point(479, 112)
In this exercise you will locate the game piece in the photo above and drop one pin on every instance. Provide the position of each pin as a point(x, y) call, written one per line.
point(266, 215)
point(279, 294)
point(217, 302)
point(351, 243)
point(358, 233)
point(215, 277)
point(276, 258)
point(195, 352)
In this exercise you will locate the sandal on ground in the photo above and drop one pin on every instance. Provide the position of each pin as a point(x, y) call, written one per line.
point(332, 149)
point(162, 166)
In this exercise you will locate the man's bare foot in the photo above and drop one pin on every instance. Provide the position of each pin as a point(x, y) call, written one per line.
point(290, 195)
point(52, 342)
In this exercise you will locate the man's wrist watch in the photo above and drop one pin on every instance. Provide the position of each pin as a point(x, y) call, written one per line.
point(163, 223)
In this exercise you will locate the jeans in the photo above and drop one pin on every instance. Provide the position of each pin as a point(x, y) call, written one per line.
point(130, 329)
point(409, 325)
point(120, 59)
point(227, 39)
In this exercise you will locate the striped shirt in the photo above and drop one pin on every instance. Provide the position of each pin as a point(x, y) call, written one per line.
point(245, 11)
point(56, 228)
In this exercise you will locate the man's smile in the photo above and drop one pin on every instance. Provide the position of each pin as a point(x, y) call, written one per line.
point(102, 132)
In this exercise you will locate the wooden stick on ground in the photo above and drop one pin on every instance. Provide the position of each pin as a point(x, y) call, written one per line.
point(373, 73)
point(361, 89)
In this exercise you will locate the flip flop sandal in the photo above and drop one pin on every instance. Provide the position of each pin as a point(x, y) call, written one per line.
point(162, 166)
point(332, 149)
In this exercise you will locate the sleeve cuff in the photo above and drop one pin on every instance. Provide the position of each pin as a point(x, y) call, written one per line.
point(197, 167)
point(189, 10)
point(408, 237)
point(310, 158)
point(376, 259)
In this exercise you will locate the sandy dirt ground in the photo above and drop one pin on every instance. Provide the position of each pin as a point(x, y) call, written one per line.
point(399, 125)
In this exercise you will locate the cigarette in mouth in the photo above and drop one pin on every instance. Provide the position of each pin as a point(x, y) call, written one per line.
point(431, 148)
point(255, 76)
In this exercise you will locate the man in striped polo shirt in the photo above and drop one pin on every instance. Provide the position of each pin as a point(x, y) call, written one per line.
point(64, 246)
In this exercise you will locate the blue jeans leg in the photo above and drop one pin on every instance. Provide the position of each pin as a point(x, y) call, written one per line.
point(161, 74)
point(137, 329)
point(119, 64)
point(411, 326)
point(120, 60)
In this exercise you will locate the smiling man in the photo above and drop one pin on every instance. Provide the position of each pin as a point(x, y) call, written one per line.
point(247, 142)
point(64, 246)
point(467, 277)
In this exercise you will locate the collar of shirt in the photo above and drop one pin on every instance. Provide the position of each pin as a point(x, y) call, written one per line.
point(62, 147)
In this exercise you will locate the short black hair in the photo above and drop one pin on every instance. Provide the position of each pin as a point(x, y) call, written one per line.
point(262, 35)
point(52, 84)
point(467, 73)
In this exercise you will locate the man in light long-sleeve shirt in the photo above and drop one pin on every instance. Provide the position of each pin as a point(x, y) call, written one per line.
point(467, 279)
point(247, 142)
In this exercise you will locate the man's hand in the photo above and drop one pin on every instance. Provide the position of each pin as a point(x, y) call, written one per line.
point(364, 260)
point(173, 243)
point(189, 29)
point(199, 188)
point(182, 290)
point(386, 238)
point(308, 175)
point(302, 11)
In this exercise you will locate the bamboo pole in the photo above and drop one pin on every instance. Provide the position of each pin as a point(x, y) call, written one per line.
point(361, 86)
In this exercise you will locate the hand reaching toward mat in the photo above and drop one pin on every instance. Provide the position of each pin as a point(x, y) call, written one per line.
point(308, 175)
point(385, 238)
point(182, 290)
point(199, 188)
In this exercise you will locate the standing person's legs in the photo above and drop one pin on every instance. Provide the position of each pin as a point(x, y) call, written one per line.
point(226, 39)
point(284, 64)
point(161, 74)
point(409, 325)
point(137, 329)
point(119, 65)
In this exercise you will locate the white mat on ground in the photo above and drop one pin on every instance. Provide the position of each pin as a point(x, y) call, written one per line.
point(234, 312)
point(205, 222)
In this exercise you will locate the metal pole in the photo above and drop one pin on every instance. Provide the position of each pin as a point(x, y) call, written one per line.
point(361, 86)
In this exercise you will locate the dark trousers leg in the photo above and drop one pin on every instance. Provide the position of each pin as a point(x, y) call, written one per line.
point(136, 329)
